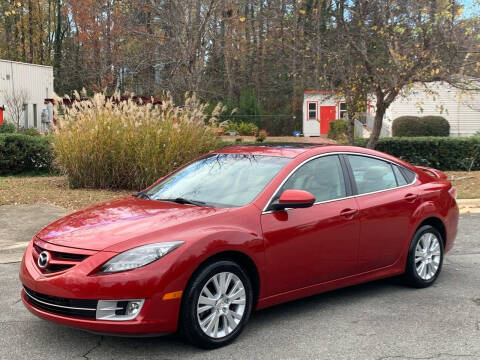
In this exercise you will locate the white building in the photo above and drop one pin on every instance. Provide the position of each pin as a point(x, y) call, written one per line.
point(36, 81)
point(460, 108)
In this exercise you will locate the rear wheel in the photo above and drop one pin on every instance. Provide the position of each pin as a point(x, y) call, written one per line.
point(425, 257)
point(217, 304)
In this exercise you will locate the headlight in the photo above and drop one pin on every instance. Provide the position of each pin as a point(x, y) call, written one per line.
point(139, 256)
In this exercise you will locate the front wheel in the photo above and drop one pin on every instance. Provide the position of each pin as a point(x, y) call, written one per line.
point(217, 304)
point(425, 257)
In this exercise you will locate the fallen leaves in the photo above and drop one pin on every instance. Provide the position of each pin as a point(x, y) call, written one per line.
point(52, 190)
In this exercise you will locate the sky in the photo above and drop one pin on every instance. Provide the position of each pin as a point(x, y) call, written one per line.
point(471, 7)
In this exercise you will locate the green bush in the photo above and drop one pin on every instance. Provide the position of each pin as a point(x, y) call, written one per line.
point(7, 128)
point(261, 136)
point(30, 132)
point(410, 126)
point(338, 129)
point(435, 126)
point(443, 153)
point(107, 143)
point(242, 128)
point(20, 153)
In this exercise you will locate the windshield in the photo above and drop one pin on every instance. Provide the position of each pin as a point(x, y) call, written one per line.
point(221, 180)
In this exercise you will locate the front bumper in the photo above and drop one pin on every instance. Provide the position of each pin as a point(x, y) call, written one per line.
point(152, 282)
point(139, 326)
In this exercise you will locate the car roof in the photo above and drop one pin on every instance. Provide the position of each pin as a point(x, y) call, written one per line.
point(288, 150)
point(292, 150)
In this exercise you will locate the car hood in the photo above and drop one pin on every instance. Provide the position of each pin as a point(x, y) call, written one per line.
point(109, 223)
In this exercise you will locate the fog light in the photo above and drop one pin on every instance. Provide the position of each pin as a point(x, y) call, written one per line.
point(133, 308)
point(118, 310)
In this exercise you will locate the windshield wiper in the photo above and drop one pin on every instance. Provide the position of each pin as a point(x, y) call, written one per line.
point(143, 195)
point(180, 200)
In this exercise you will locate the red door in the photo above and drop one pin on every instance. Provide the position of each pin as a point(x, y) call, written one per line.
point(327, 114)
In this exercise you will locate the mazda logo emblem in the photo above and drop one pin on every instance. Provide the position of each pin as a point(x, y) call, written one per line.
point(43, 259)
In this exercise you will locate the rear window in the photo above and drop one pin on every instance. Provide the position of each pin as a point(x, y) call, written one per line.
point(409, 174)
point(398, 174)
point(371, 174)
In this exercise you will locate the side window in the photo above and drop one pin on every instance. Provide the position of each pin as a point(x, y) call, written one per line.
point(398, 174)
point(323, 177)
point(371, 174)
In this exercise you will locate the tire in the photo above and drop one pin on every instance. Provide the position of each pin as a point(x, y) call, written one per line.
point(424, 266)
point(218, 322)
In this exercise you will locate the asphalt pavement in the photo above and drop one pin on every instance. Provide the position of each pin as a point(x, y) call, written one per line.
point(377, 320)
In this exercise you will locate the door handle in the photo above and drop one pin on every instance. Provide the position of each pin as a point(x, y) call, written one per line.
point(348, 213)
point(411, 197)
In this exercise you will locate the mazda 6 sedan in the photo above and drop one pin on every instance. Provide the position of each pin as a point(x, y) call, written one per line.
point(238, 229)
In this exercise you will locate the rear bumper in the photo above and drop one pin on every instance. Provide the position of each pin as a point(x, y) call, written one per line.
point(451, 223)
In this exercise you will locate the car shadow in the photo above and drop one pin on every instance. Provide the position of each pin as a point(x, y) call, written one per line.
point(262, 323)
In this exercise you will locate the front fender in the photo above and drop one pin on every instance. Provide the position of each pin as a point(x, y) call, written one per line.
point(220, 241)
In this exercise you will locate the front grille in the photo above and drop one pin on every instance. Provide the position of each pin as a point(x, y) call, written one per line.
point(62, 306)
point(62, 255)
point(60, 260)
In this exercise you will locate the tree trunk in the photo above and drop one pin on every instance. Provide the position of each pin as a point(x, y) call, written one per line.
point(30, 31)
point(57, 55)
point(351, 130)
point(22, 39)
point(378, 122)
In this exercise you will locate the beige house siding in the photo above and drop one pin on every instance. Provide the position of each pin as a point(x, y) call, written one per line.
point(460, 108)
point(36, 80)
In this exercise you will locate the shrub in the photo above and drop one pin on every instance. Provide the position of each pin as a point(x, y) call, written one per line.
point(338, 129)
point(20, 153)
point(435, 126)
point(410, 126)
point(242, 128)
point(30, 132)
point(261, 136)
point(443, 153)
point(406, 126)
point(7, 128)
point(107, 143)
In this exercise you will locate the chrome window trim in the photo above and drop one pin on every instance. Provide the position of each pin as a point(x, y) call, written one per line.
point(265, 211)
point(55, 305)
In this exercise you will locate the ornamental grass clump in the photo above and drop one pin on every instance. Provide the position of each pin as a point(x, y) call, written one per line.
point(104, 142)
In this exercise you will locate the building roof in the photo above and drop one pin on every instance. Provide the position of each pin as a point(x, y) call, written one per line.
point(24, 63)
point(319, 91)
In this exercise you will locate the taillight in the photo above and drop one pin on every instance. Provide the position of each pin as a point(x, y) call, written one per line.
point(453, 192)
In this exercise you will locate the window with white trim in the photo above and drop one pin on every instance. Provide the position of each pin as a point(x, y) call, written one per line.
point(343, 110)
point(312, 111)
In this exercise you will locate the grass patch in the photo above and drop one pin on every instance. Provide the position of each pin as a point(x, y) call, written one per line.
point(52, 190)
point(467, 183)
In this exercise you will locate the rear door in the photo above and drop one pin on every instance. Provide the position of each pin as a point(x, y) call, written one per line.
point(316, 244)
point(386, 202)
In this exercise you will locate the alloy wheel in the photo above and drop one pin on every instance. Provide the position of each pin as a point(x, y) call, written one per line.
point(221, 305)
point(427, 256)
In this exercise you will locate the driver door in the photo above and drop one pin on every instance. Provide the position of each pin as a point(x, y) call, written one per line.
point(307, 246)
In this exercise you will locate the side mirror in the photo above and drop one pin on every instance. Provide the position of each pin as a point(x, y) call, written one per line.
point(294, 199)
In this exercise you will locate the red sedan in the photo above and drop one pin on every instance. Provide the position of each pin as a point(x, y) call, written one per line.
point(238, 229)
